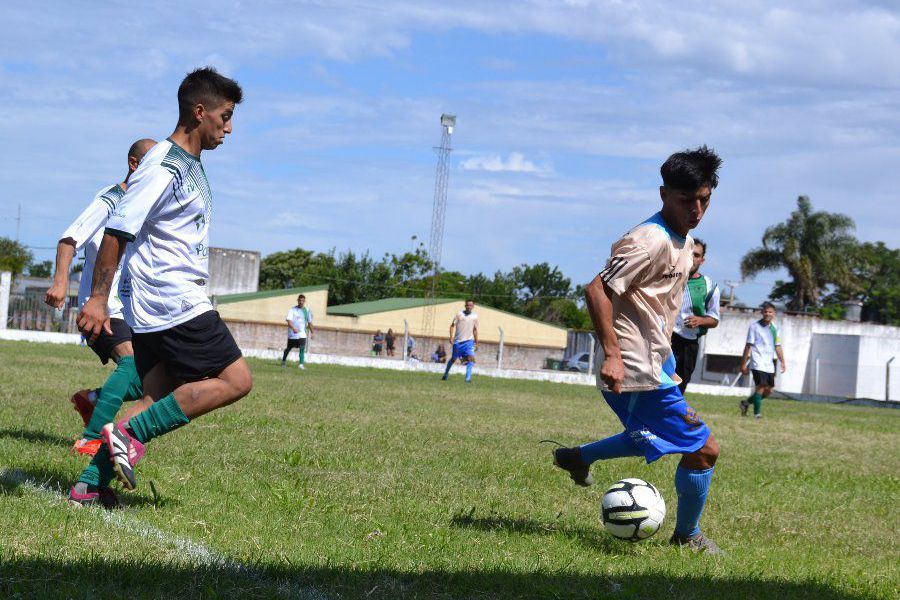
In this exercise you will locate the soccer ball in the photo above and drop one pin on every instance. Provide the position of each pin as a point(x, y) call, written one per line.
point(632, 510)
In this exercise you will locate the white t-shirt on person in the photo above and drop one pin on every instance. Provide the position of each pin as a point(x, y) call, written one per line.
point(87, 232)
point(763, 339)
point(465, 326)
point(299, 318)
point(165, 214)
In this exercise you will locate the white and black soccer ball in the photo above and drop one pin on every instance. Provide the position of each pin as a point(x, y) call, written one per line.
point(632, 509)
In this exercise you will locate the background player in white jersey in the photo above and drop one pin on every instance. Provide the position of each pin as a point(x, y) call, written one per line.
point(763, 345)
point(699, 313)
point(98, 407)
point(299, 322)
point(633, 303)
point(464, 339)
point(188, 361)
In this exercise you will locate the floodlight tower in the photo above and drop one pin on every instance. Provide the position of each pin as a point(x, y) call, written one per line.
point(436, 241)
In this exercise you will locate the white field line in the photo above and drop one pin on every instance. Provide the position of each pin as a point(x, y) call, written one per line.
point(198, 553)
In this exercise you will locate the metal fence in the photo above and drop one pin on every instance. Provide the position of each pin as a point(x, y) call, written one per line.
point(28, 312)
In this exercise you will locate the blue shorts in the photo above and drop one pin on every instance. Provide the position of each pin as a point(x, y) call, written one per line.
point(659, 422)
point(464, 349)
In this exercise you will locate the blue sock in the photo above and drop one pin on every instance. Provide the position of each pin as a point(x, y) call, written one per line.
point(447, 370)
point(469, 371)
point(692, 487)
point(615, 446)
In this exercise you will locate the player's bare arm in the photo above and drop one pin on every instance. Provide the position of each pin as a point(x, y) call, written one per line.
point(598, 298)
point(745, 359)
point(694, 321)
point(452, 327)
point(780, 358)
point(94, 316)
point(65, 252)
point(309, 330)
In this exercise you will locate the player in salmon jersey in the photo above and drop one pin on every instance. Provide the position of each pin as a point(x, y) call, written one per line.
point(188, 361)
point(463, 339)
point(633, 303)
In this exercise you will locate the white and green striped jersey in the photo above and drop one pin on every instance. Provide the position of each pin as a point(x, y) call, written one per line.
point(165, 215)
point(87, 233)
point(763, 340)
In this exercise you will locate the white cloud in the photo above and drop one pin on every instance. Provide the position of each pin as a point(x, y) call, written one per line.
point(514, 163)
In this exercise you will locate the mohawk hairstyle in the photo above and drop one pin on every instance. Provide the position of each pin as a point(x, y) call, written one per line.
point(691, 169)
point(205, 86)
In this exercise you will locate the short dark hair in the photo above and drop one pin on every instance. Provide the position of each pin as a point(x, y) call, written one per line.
point(690, 169)
point(766, 305)
point(135, 147)
point(205, 86)
point(701, 243)
point(301, 296)
point(472, 300)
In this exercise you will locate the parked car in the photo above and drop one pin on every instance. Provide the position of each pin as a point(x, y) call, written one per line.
point(577, 362)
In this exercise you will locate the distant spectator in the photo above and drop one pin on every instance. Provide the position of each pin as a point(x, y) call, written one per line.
point(389, 341)
point(410, 346)
point(439, 355)
point(377, 343)
point(761, 354)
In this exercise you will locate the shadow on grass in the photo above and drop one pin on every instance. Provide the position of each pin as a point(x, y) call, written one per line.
point(499, 523)
point(58, 485)
point(46, 578)
point(38, 437)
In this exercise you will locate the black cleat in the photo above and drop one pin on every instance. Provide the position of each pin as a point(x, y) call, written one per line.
point(744, 406)
point(697, 543)
point(569, 459)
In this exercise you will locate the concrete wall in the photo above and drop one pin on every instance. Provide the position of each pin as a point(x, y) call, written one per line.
point(326, 340)
point(832, 365)
point(233, 271)
point(871, 344)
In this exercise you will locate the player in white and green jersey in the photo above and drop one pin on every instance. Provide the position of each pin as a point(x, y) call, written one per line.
point(97, 407)
point(299, 321)
point(760, 352)
point(187, 359)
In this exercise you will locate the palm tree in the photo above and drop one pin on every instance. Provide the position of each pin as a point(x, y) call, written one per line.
point(814, 247)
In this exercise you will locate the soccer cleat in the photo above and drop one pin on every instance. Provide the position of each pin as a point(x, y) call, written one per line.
point(81, 402)
point(744, 406)
point(569, 459)
point(697, 543)
point(91, 496)
point(86, 446)
point(302, 368)
point(758, 416)
point(86, 498)
point(124, 452)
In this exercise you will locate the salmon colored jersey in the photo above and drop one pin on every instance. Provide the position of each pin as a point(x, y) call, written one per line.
point(647, 271)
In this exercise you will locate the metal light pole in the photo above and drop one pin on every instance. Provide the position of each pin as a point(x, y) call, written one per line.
point(436, 241)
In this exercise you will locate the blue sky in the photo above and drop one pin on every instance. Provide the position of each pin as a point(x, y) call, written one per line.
point(565, 112)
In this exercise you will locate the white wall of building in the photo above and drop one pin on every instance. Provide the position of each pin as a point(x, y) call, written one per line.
point(838, 343)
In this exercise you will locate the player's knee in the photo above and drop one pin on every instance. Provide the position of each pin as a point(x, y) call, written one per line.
point(710, 451)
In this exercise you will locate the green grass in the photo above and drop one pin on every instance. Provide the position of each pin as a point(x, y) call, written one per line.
point(359, 483)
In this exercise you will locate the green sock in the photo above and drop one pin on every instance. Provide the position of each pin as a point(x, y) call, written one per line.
point(302, 355)
point(757, 404)
point(99, 472)
point(162, 417)
point(119, 385)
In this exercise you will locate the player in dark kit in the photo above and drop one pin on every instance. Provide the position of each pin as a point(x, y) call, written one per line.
point(633, 304)
point(188, 362)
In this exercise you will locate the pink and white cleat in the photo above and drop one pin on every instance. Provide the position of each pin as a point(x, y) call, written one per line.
point(124, 452)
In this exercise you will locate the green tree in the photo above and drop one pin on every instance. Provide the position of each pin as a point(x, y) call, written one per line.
point(14, 256)
point(41, 269)
point(875, 283)
point(814, 248)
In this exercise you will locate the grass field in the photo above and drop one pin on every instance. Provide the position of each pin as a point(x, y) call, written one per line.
point(359, 483)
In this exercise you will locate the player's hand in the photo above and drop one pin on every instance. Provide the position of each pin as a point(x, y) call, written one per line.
point(744, 370)
point(783, 367)
point(613, 373)
point(93, 319)
point(693, 322)
point(56, 295)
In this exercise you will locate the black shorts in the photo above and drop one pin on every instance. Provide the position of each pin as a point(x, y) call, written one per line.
point(104, 344)
point(763, 378)
point(194, 350)
point(685, 352)
point(296, 343)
